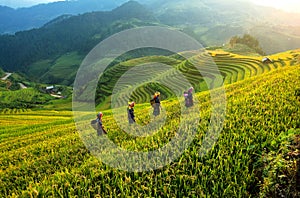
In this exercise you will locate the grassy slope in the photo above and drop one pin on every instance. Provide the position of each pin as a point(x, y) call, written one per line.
point(13, 97)
point(59, 104)
point(277, 38)
point(62, 70)
point(43, 155)
point(25, 98)
point(233, 67)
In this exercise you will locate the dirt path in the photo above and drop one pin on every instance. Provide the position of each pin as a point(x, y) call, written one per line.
point(56, 96)
point(6, 76)
point(22, 86)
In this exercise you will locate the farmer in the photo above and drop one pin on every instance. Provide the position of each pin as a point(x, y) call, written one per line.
point(100, 128)
point(189, 97)
point(156, 104)
point(130, 112)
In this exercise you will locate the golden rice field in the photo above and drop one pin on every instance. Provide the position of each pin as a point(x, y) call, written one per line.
point(256, 155)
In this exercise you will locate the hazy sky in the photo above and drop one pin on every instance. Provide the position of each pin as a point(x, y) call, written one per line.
point(24, 3)
point(288, 5)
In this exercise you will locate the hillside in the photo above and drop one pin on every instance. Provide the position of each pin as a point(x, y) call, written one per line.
point(14, 20)
point(233, 67)
point(216, 12)
point(214, 22)
point(240, 138)
point(39, 53)
point(18, 92)
point(235, 64)
point(78, 34)
point(207, 13)
point(42, 154)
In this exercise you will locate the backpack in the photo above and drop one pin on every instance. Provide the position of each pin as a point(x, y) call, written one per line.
point(152, 101)
point(94, 124)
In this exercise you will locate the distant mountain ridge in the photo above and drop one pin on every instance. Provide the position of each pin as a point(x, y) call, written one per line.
point(13, 20)
point(214, 22)
point(172, 12)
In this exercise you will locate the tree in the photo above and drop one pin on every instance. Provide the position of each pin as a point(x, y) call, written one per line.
point(233, 41)
point(248, 40)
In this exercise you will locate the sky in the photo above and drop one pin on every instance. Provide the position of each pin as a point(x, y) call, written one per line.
point(287, 5)
point(24, 3)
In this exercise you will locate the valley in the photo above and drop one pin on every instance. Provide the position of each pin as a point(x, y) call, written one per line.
point(239, 136)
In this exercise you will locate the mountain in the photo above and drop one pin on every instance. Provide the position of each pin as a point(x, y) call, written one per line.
point(48, 53)
point(66, 39)
point(171, 12)
point(214, 22)
point(214, 12)
point(13, 20)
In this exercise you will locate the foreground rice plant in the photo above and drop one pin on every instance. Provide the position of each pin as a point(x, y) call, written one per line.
point(43, 156)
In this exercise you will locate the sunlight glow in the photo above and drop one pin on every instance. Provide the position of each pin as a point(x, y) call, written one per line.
point(287, 5)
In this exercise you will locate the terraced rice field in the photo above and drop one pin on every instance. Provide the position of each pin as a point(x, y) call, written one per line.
point(42, 154)
point(200, 71)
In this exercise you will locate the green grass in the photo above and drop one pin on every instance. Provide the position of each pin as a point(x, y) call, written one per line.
point(59, 104)
point(39, 68)
point(25, 98)
point(61, 70)
point(43, 156)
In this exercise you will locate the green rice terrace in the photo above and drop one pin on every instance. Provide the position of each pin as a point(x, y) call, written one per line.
point(232, 67)
point(256, 155)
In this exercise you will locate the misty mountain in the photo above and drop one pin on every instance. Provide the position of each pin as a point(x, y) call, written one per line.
point(13, 20)
point(214, 22)
point(206, 13)
point(178, 12)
